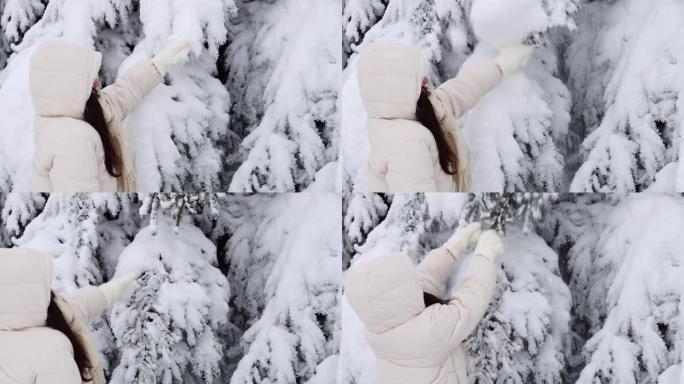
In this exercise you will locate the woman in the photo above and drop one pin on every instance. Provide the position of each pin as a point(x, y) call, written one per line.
point(80, 143)
point(44, 335)
point(415, 335)
point(415, 144)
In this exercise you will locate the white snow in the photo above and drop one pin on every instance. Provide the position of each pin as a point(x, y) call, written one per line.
point(501, 23)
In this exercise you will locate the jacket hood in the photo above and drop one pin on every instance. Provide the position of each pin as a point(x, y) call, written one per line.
point(61, 78)
point(390, 77)
point(385, 292)
point(25, 281)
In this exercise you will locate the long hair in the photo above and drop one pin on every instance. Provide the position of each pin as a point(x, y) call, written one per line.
point(94, 116)
point(56, 320)
point(431, 299)
point(425, 113)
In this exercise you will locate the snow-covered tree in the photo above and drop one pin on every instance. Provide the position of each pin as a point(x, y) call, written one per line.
point(523, 334)
point(186, 304)
point(624, 66)
point(284, 73)
point(361, 213)
point(624, 268)
point(296, 330)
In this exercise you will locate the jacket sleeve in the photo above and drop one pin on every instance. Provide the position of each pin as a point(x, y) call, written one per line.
point(75, 166)
point(456, 96)
point(58, 366)
point(454, 321)
point(411, 168)
point(434, 271)
point(87, 303)
point(124, 95)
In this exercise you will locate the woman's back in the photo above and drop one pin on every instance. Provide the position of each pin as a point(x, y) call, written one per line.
point(404, 155)
point(37, 355)
point(61, 82)
point(404, 158)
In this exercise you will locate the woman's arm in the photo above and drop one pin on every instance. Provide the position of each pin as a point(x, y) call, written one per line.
point(461, 93)
point(456, 96)
point(129, 89)
point(87, 303)
point(436, 268)
point(124, 95)
point(90, 302)
point(457, 319)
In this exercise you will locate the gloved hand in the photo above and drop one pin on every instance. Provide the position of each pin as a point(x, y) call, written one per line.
point(489, 246)
point(174, 52)
point(463, 238)
point(513, 57)
point(120, 289)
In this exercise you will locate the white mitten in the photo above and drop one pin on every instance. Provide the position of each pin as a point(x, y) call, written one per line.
point(174, 52)
point(513, 57)
point(489, 246)
point(463, 238)
point(119, 290)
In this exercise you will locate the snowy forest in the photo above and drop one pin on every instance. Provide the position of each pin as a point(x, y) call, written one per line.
point(597, 109)
point(589, 287)
point(233, 288)
point(253, 109)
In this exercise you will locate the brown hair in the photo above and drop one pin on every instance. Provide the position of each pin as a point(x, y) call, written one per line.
point(431, 299)
point(425, 113)
point(56, 320)
point(94, 116)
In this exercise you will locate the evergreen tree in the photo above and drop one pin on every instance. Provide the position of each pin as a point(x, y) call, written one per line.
point(624, 68)
point(286, 92)
point(296, 330)
point(186, 308)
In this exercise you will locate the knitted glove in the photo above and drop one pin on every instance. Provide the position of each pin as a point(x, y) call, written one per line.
point(513, 57)
point(119, 290)
point(489, 246)
point(463, 238)
point(174, 52)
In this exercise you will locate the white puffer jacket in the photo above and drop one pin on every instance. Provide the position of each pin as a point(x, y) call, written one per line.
point(69, 154)
point(414, 344)
point(403, 155)
point(30, 352)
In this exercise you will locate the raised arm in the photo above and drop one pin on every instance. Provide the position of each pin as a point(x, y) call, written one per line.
point(456, 96)
point(124, 95)
point(90, 302)
point(436, 268)
point(456, 320)
point(87, 303)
